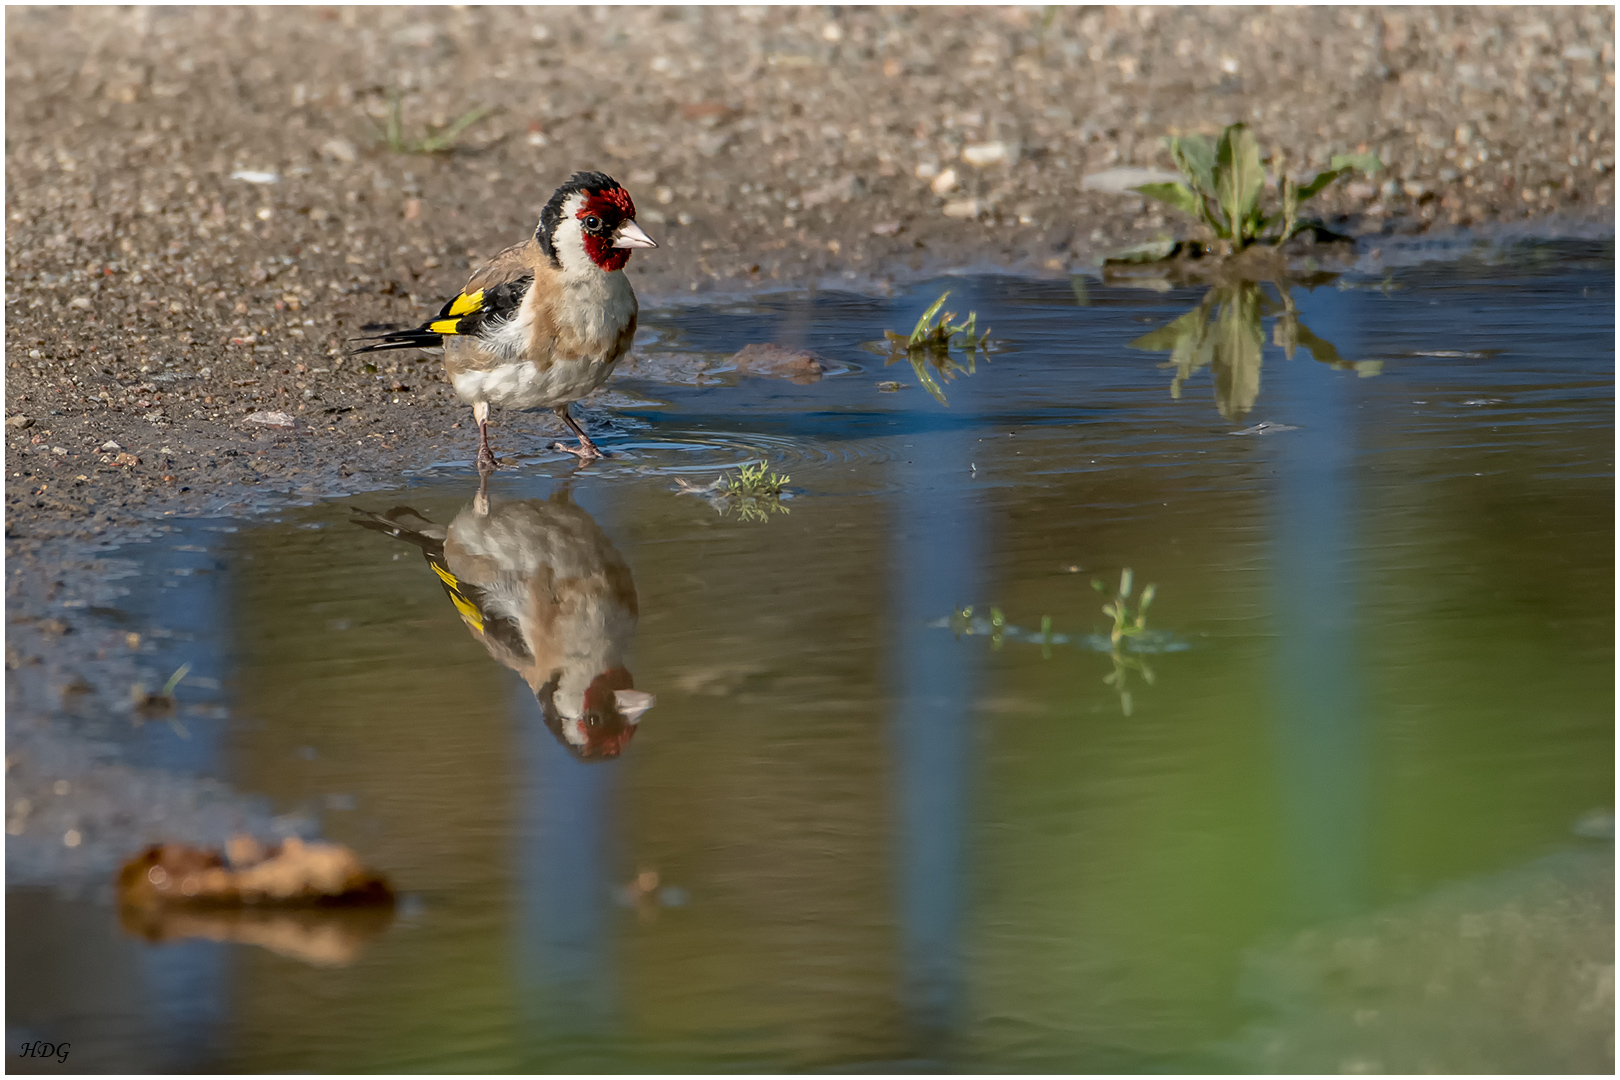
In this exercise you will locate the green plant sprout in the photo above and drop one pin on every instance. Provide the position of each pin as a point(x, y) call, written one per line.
point(161, 703)
point(754, 492)
point(1221, 187)
point(1126, 625)
point(439, 142)
point(929, 346)
point(1126, 644)
point(940, 336)
point(755, 482)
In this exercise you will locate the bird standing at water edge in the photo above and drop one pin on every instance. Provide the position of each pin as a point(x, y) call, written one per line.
point(543, 323)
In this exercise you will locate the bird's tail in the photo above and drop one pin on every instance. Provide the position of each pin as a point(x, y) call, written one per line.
point(404, 523)
point(500, 633)
point(419, 337)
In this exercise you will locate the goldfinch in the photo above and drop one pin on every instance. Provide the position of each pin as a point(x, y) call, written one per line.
point(544, 322)
point(540, 585)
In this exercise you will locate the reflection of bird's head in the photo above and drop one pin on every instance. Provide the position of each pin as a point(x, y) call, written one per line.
point(607, 720)
point(540, 585)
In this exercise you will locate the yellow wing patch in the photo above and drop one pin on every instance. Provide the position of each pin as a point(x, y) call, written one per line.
point(449, 320)
point(469, 613)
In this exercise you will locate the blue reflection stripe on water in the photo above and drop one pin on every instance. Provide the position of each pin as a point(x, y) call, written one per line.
point(936, 560)
point(187, 983)
point(567, 841)
point(568, 838)
point(1318, 718)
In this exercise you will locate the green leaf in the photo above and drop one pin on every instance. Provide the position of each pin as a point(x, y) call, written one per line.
point(1340, 166)
point(1318, 182)
point(1152, 251)
point(1239, 179)
point(1196, 159)
point(1367, 163)
point(920, 330)
point(1173, 194)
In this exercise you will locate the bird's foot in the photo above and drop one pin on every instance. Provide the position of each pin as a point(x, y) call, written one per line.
point(486, 461)
point(585, 451)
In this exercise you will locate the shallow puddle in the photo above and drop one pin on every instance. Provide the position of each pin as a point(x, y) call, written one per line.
point(899, 803)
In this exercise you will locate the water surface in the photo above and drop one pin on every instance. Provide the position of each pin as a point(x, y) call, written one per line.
point(863, 830)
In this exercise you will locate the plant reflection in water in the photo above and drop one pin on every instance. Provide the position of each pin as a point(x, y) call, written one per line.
point(539, 584)
point(1127, 642)
point(1226, 333)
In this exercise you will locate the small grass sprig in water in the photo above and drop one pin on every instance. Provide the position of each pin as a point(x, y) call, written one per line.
point(439, 142)
point(1126, 625)
point(929, 346)
point(755, 481)
point(940, 336)
point(754, 491)
point(162, 703)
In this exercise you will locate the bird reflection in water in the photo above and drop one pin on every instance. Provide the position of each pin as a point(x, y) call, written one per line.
point(539, 584)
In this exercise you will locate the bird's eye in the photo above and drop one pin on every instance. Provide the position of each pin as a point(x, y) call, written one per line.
point(593, 222)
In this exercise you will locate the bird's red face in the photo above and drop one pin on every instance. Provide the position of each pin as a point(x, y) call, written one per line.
point(604, 212)
point(590, 222)
point(612, 709)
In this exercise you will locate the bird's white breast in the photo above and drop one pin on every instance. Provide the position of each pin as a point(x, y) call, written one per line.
point(594, 309)
point(525, 385)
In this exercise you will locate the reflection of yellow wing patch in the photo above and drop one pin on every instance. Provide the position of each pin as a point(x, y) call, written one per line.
point(467, 302)
point(469, 612)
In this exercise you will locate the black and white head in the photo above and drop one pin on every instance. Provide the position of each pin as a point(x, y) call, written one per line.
point(590, 223)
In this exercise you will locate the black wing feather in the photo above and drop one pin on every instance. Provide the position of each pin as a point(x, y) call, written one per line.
point(497, 303)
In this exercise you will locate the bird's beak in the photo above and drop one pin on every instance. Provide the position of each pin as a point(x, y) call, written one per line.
point(631, 236)
point(633, 703)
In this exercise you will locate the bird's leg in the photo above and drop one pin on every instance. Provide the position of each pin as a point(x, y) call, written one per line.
point(587, 450)
point(486, 457)
point(481, 500)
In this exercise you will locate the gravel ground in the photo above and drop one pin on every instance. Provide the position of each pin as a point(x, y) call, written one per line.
point(155, 297)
